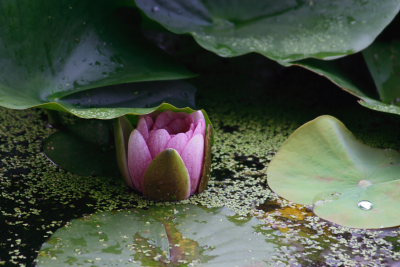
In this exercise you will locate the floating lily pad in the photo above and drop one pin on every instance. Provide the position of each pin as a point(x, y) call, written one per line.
point(281, 30)
point(52, 49)
point(349, 183)
point(183, 235)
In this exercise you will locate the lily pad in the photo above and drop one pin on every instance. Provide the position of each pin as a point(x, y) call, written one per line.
point(133, 99)
point(377, 89)
point(283, 31)
point(183, 235)
point(130, 99)
point(383, 60)
point(52, 49)
point(349, 183)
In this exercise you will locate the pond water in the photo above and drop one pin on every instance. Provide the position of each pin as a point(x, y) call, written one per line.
point(37, 197)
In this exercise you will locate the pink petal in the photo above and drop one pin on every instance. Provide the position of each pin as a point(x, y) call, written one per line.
point(178, 142)
point(149, 121)
point(163, 119)
point(157, 141)
point(178, 126)
point(193, 156)
point(197, 116)
point(143, 127)
point(189, 133)
point(200, 128)
point(139, 158)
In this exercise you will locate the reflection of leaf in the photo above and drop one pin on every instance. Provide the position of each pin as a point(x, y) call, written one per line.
point(184, 249)
point(179, 235)
point(149, 255)
point(330, 169)
point(281, 30)
point(51, 49)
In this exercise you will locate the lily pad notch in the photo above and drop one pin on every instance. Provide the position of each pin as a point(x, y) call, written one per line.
point(347, 182)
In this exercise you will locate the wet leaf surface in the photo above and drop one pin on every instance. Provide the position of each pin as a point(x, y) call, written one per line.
point(284, 31)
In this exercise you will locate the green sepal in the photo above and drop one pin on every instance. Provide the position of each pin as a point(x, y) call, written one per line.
point(167, 178)
point(207, 159)
point(122, 130)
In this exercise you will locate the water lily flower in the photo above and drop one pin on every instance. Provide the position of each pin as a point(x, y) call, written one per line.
point(167, 157)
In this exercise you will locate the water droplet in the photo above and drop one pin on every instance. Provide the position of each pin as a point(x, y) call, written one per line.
point(365, 205)
point(155, 9)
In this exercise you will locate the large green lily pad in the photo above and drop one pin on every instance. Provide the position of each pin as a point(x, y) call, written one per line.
point(51, 49)
point(281, 30)
point(349, 183)
point(183, 235)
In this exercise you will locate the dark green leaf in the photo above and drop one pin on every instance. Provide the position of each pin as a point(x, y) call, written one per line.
point(281, 30)
point(134, 95)
point(135, 99)
point(51, 49)
point(383, 60)
point(357, 78)
point(86, 149)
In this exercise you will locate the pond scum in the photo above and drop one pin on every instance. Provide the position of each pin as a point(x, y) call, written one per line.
point(37, 197)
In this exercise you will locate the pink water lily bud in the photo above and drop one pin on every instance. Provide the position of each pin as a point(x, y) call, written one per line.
point(167, 157)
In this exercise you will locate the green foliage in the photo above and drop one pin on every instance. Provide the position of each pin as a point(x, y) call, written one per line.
point(280, 30)
point(378, 86)
point(52, 49)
